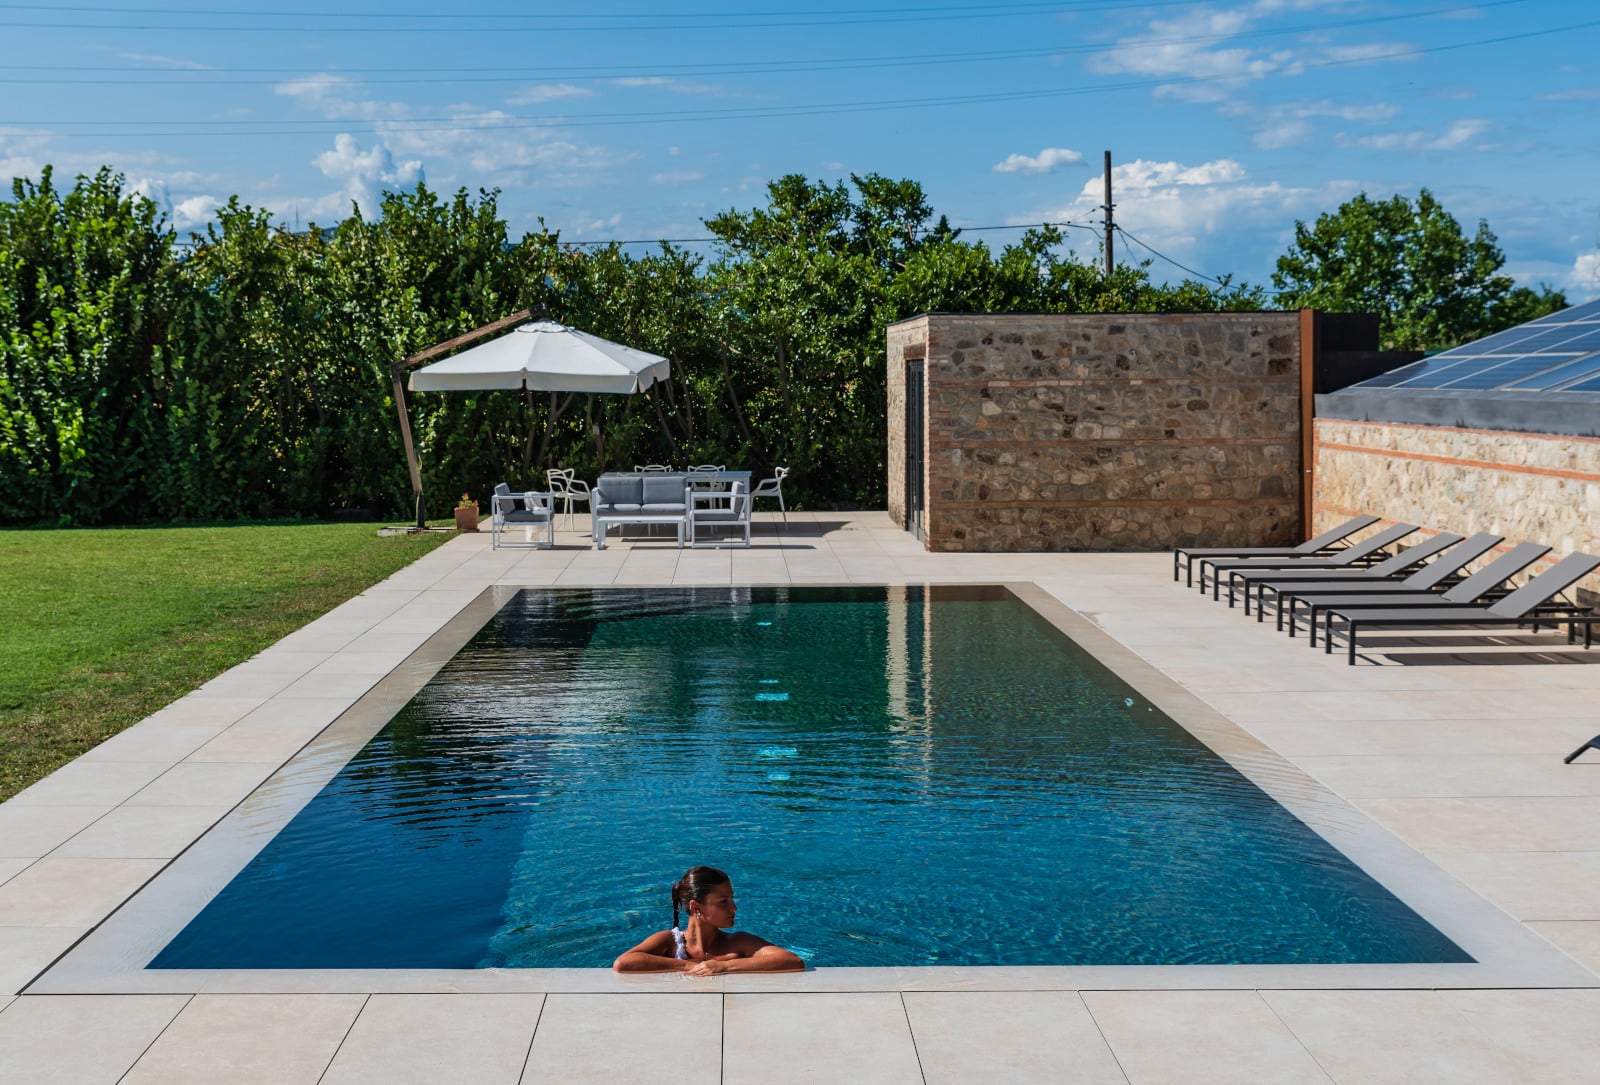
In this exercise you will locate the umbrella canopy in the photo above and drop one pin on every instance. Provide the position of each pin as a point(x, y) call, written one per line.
point(545, 357)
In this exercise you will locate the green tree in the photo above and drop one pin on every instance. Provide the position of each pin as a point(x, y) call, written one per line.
point(1432, 286)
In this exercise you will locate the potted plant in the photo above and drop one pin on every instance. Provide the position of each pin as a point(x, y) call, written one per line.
point(466, 514)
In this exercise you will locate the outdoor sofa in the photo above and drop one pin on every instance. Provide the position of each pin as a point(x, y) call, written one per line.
point(644, 497)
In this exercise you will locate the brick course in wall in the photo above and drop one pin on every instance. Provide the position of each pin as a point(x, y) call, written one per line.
point(1527, 487)
point(1102, 432)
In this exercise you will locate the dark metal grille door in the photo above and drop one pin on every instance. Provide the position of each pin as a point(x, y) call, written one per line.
point(915, 436)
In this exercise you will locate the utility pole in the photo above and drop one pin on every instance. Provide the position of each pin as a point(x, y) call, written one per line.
point(1106, 207)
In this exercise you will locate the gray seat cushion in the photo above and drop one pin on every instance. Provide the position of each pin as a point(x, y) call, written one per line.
point(662, 508)
point(662, 489)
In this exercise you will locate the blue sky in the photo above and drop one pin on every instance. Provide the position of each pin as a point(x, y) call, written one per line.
point(1227, 121)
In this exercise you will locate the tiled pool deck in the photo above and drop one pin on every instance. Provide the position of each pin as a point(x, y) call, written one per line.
point(1461, 763)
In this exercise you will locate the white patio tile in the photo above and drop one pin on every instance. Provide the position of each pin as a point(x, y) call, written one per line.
point(271, 1039)
point(321, 684)
point(775, 1039)
point(1200, 1037)
point(27, 951)
point(1399, 1037)
point(1012, 1036)
point(90, 783)
point(1548, 1035)
point(27, 832)
point(145, 741)
point(71, 892)
point(141, 832)
point(201, 710)
point(247, 681)
point(602, 1039)
point(1447, 773)
point(1578, 939)
point(79, 1039)
point(10, 868)
point(1533, 886)
point(398, 1039)
point(201, 783)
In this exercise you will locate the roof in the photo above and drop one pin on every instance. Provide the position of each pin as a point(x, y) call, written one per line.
point(1539, 377)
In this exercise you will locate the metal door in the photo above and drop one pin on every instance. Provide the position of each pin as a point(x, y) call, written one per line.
point(915, 436)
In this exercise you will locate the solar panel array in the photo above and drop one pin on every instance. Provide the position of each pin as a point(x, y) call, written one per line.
point(1556, 353)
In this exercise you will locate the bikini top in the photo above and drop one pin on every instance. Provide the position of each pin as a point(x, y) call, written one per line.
point(680, 943)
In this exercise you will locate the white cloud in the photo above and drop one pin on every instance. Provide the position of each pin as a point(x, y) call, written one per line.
point(1289, 123)
point(1458, 135)
point(195, 211)
point(1196, 214)
point(1046, 161)
point(833, 167)
point(603, 225)
point(1585, 277)
point(677, 177)
point(671, 86)
point(1193, 50)
point(548, 92)
point(364, 175)
point(167, 62)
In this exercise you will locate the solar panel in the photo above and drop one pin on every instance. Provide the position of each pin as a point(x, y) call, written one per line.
point(1590, 385)
point(1545, 355)
point(1583, 367)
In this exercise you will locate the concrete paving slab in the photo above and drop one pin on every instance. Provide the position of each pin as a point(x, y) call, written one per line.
point(79, 1039)
point(71, 892)
point(27, 951)
point(1395, 1037)
point(426, 1039)
point(204, 783)
point(1017, 1037)
point(777, 1039)
point(130, 832)
point(1200, 1038)
point(598, 1039)
point(270, 1039)
point(28, 832)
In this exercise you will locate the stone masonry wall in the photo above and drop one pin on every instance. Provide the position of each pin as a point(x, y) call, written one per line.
point(901, 335)
point(1527, 487)
point(1095, 432)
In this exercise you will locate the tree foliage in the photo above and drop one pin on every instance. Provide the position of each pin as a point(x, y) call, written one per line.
point(1432, 286)
point(246, 373)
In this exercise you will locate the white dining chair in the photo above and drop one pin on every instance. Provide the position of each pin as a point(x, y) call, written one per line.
point(772, 487)
point(568, 488)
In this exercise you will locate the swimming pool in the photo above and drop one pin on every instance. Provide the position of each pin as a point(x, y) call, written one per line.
point(894, 776)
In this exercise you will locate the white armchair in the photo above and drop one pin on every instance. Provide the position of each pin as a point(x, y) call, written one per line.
point(710, 510)
point(526, 510)
point(772, 487)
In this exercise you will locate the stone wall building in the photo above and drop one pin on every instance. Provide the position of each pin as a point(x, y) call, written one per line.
point(1098, 432)
point(1499, 435)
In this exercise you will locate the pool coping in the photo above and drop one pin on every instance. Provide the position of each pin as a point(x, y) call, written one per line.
point(110, 958)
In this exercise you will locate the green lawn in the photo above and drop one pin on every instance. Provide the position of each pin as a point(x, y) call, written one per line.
point(104, 627)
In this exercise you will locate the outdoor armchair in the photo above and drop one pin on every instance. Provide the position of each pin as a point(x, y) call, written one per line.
point(772, 487)
point(712, 510)
point(1367, 551)
point(1184, 557)
point(528, 511)
point(1476, 590)
point(1521, 607)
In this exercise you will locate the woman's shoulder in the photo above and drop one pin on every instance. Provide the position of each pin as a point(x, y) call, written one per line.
point(659, 942)
point(744, 943)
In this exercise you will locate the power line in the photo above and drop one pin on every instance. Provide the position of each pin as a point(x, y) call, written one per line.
point(522, 121)
point(597, 72)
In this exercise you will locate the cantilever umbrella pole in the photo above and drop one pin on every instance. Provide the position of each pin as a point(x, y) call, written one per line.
point(398, 370)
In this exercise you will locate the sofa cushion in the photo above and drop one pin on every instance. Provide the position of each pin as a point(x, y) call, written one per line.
point(619, 490)
point(661, 508)
point(661, 489)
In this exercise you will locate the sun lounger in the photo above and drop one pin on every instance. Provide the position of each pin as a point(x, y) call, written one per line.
point(1328, 540)
point(1592, 744)
point(1367, 550)
point(1521, 607)
point(1388, 575)
point(1442, 573)
point(1262, 579)
point(1475, 590)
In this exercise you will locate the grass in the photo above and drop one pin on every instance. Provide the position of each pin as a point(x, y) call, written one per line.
point(104, 627)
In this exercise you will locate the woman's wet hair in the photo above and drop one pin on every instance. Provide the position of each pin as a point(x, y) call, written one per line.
point(694, 885)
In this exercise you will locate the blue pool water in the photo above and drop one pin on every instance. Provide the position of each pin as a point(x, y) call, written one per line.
point(892, 777)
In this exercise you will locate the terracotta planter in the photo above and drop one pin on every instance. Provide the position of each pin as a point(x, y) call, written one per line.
point(467, 519)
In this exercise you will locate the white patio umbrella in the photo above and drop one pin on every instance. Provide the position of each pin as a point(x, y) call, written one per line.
point(545, 357)
point(542, 356)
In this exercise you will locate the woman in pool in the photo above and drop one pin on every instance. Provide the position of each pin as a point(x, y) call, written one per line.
point(702, 947)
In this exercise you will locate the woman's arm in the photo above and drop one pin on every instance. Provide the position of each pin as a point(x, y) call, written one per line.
point(765, 957)
point(654, 954)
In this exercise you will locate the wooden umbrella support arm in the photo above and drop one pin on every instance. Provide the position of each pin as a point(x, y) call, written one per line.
point(397, 372)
